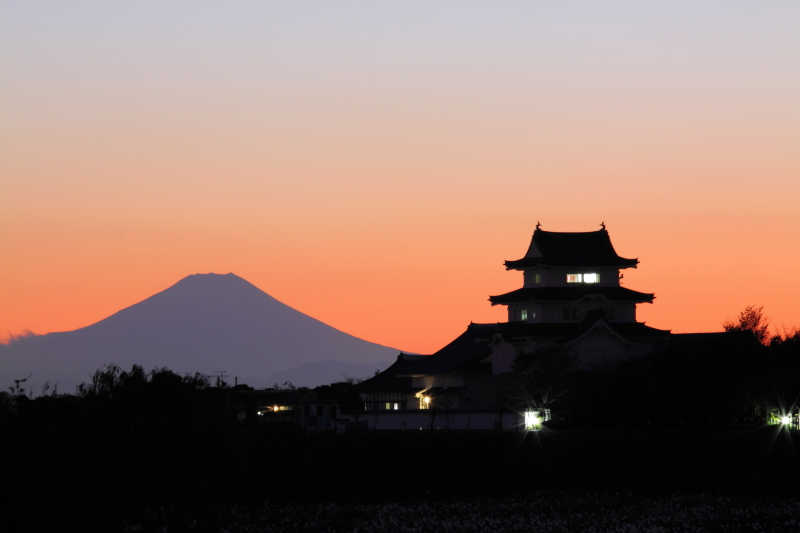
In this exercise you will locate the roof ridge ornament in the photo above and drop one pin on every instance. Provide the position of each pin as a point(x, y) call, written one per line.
point(603, 224)
point(538, 224)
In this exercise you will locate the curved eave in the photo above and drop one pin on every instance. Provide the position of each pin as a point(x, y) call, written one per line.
point(531, 262)
point(514, 332)
point(530, 295)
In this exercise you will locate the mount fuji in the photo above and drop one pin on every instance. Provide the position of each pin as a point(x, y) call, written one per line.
point(204, 323)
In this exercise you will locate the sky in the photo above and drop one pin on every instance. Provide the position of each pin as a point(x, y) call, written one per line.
point(372, 164)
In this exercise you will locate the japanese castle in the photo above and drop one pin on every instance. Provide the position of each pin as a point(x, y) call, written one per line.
point(571, 297)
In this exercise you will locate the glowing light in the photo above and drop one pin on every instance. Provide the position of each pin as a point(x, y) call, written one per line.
point(574, 278)
point(532, 420)
point(591, 278)
point(275, 408)
point(427, 399)
point(786, 420)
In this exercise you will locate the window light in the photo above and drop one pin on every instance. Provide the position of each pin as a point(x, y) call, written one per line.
point(591, 278)
point(574, 278)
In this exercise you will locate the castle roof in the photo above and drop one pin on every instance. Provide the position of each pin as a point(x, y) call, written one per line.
point(388, 380)
point(569, 331)
point(469, 351)
point(464, 354)
point(580, 249)
point(571, 294)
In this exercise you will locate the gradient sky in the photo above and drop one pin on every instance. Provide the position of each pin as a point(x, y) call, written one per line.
point(373, 163)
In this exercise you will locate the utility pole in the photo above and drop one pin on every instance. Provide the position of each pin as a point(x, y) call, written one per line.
point(220, 375)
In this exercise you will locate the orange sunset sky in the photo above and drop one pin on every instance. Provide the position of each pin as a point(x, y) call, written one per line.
point(372, 164)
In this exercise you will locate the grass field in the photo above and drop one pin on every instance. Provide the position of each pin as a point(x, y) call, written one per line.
point(546, 512)
point(431, 481)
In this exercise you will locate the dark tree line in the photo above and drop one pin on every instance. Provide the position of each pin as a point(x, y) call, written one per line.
point(129, 439)
point(742, 377)
point(133, 402)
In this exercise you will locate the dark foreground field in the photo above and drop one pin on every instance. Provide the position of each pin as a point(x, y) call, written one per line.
point(541, 511)
point(287, 482)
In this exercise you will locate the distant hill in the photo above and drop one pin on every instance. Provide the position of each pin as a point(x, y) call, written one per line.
point(204, 323)
point(322, 373)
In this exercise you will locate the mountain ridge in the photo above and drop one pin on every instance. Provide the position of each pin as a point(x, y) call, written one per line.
point(202, 323)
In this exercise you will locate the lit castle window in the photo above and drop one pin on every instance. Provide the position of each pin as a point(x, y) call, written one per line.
point(583, 278)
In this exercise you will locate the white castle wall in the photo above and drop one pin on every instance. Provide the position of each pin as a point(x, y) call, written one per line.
point(421, 420)
point(623, 312)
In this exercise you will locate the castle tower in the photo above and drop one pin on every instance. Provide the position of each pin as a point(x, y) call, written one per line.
point(571, 302)
point(567, 277)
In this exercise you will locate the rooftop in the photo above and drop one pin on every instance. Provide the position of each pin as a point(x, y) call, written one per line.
point(517, 331)
point(388, 380)
point(464, 354)
point(468, 352)
point(580, 249)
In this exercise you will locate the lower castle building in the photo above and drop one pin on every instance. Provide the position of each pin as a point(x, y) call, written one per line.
point(571, 305)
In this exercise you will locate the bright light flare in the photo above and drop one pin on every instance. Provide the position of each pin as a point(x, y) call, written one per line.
point(532, 420)
point(786, 420)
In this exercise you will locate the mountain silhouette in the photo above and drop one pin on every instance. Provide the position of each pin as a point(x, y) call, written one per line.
point(204, 323)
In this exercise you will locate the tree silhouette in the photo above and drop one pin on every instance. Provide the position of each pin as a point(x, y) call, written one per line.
point(440, 406)
point(350, 401)
point(753, 320)
point(503, 391)
point(545, 375)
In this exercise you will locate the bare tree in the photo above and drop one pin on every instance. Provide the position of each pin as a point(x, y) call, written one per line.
point(785, 335)
point(18, 390)
point(544, 374)
point(375, 415)
point(751, 319)
point(448, 412)
point(351, 402)
point(440, 405)
point(503, 391)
